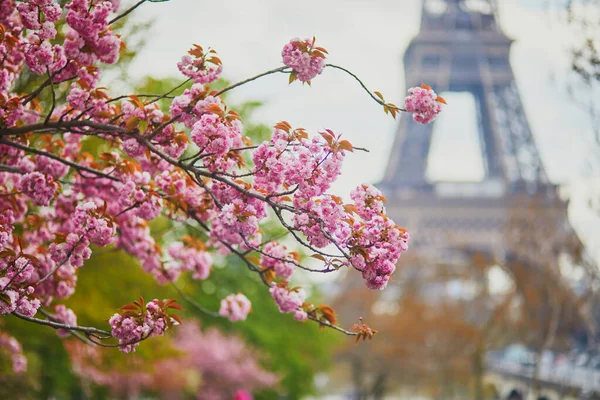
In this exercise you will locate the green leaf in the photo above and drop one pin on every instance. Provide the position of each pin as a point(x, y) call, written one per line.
point(142, 126)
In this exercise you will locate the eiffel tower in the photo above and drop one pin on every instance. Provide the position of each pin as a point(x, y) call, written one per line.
point(461, 48)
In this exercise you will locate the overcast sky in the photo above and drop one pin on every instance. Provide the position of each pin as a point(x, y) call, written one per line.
point(369, 37)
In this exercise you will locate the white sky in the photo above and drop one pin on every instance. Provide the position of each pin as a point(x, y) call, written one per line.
point(369, 38)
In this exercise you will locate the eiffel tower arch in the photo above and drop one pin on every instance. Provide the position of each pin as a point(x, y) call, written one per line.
point(461, 48)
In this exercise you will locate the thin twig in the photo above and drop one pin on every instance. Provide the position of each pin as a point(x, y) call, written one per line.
point(240, 83)
point(126, 13)
point(53, 99)
point(194, 303)
point(378, 100)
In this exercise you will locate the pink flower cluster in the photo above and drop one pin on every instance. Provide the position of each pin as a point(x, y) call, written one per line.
point(323, 221)
point(375, 248)
point(11, 346)
point(274, 255)
point(235, 307)
point(39, 187)
point(39, 17)
point(188, 258)
point(202, 67)
point(136, 194)
point(237, 223)
point(215, 136)
point(306, 169)
point(306, 61)
point(20, 300)
point(65, 316)
point(226, 364)
point(65, 258)
point(137, 322)
point(184, 192)
point(192, 104)
point(424, 103)
point(289, 300)
point(90, 222)
point(199, 69)
point(50, 166)
point(368, 201)
point(135, 238)
point(31, 12)
point(90, 37)
point(16, 273)
point(172, 142)
point(291, 159)
point(7, 220)
point(87, 225)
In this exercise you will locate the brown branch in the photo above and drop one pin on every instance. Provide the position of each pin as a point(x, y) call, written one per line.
point(61, 125)
point(75, 166)
point(58, 325)
point(126, 13)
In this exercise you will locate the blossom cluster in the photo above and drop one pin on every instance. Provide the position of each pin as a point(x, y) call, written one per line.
point(139, 321)
point(276, 256)
point(17, 293)
point(191, 257)
point(65, 316)
point(201, 67)
point(291, 158)
point(306, 60)
point(424, 103)
point(11, 346)
point(289, 300)
point(39, 17)
point(235, 307)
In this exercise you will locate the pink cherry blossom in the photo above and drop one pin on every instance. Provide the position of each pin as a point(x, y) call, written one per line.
point(287, 300)
point(235, 307)
point(274, 256)
point(424, 103)
point(298, 54)
point(368, 201)
point(66, 316)
point(138, 322)
point(39, 187)
point(10, 345)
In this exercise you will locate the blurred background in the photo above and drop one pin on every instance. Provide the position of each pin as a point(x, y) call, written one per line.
point(498, 296)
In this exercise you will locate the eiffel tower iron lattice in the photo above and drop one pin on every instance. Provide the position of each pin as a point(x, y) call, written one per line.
point(461, 48)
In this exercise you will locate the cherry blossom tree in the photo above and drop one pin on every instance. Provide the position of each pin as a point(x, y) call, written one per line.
point(208, 364)
point(81, 170)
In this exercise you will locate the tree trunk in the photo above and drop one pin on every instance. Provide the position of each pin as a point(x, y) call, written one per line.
point(546, 344)
point(378, 389)
point(478, 370)
point(358, 379)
